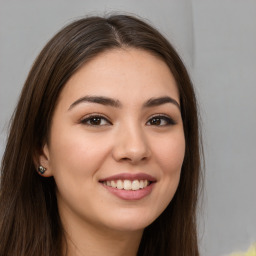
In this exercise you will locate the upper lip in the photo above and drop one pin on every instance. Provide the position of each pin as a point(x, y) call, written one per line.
point(129, 176)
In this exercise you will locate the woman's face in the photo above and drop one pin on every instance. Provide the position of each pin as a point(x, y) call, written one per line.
point(116, 143)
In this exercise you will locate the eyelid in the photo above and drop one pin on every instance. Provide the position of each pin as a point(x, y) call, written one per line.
point(169, 119)
point(86, 118)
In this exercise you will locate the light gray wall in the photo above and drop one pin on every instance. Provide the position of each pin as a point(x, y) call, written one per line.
point(225, 75)
point(217, 40)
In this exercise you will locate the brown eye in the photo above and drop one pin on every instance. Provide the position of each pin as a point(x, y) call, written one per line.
point(95, 121)
point(155, 121)
point(161, 121)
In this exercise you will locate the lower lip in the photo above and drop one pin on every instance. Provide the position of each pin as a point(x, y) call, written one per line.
point(130, 194)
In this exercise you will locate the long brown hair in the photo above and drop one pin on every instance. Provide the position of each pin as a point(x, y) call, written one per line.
point(29, 219)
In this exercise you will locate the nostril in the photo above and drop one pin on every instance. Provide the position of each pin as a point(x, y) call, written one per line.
point(126, 158)
point(131, 150)
point(134, 159)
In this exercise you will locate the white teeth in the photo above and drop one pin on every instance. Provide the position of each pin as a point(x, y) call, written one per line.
point(127, 184)
point(135, 185)
point(113, 184)
point(119, 184)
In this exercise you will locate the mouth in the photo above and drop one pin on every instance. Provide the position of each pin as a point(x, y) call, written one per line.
point(129, 186)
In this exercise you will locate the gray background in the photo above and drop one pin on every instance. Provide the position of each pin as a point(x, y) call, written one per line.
point(217, 40)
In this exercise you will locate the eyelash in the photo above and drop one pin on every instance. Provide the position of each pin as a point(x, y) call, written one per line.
point(99, 118)
point(168, 120)
point(88, 119)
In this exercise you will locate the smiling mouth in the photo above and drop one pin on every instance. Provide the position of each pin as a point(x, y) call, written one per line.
point(127, 184)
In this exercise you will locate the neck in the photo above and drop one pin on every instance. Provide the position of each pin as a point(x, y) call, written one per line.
point(89, 240)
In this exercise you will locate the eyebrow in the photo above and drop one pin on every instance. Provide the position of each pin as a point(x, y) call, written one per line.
point(97, 99)
point(152, 102)
point(160, 101)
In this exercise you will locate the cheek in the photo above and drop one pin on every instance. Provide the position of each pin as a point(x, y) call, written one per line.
point(75, 158)
point(76, 153)
point(170, 154)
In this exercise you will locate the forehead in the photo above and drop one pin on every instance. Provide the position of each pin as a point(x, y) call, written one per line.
point(123, 74)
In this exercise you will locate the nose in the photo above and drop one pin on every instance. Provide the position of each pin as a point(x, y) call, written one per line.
point(131, 145)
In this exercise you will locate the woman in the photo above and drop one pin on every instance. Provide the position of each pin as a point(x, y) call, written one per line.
point(103, 152)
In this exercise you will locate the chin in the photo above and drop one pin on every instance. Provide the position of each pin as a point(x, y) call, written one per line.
point(131, 221)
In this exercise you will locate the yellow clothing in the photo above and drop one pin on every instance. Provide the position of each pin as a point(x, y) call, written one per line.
point(250, 252)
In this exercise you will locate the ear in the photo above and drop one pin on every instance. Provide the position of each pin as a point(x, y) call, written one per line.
point(42, 158)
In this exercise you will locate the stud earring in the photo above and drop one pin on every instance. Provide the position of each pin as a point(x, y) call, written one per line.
point(41, 169)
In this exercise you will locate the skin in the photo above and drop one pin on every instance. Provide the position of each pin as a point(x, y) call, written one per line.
point(126, 140)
